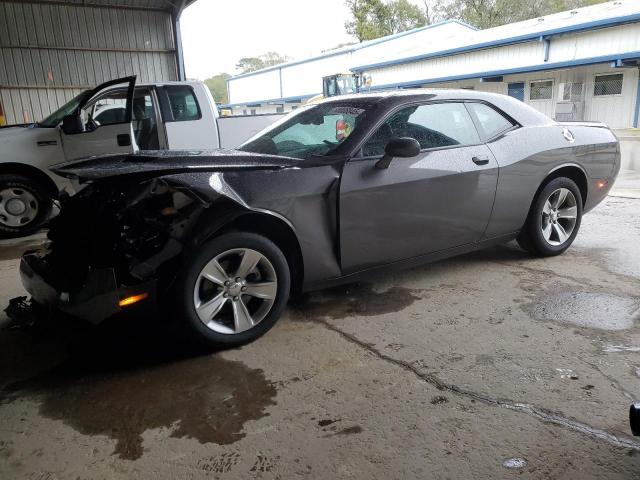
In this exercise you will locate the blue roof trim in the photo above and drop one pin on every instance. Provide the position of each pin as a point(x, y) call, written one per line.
point(286, 99)
point(603, 23)
point(352, 48)
point(512, 71)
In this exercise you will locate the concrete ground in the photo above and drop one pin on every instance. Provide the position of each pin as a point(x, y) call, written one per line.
point(490, 365)
point(627, 184)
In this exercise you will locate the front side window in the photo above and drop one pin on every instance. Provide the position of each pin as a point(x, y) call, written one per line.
point(491, 121)
point(317, 130)
point(111, 115)
point(541, 90)
point(608, 85)
point(109, 109)
point(434, 125)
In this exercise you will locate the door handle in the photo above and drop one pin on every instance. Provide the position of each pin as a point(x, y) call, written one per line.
point(124, 140)
point(480, 160)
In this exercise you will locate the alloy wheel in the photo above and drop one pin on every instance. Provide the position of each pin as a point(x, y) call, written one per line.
point(559, 216)
point(235, 291)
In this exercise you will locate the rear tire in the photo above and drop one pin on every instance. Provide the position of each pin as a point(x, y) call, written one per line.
point(25, 204)
point(554, 219)
point(233, 289)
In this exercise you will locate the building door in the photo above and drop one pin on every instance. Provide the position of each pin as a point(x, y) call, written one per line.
point(516, 90)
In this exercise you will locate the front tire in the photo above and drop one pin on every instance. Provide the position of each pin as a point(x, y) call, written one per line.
point(233, 289)
point(554, 219)
point(24, 205)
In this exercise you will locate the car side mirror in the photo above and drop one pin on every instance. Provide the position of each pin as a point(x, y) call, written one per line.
point(403, 147)
point(72, 124)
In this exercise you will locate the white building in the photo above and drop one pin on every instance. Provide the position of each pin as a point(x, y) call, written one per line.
point(574, 65)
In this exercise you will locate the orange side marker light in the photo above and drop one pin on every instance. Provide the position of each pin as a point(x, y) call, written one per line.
point(125, 302)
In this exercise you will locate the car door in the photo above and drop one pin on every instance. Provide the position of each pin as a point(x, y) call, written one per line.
point(440, 199)
point(82, 136)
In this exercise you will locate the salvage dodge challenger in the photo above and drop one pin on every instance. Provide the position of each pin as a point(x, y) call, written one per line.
point(327, 195)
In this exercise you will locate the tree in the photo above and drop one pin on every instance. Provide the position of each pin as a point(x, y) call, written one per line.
point(493, 13)
point(377, 18)
point(251, 64)
point(218, 87)
point(372, 19)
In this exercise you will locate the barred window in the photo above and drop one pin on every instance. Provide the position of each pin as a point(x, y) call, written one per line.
point(572, 91)
point(541, 90)
point(608, 84)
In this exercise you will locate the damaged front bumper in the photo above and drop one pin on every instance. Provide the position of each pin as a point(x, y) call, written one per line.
point(99, 298)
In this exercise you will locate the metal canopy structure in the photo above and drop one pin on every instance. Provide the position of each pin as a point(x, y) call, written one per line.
point(50, 50)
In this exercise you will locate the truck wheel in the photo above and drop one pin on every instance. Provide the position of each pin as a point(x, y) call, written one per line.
point(554, 219)
point(24, 205)
point(234, 289)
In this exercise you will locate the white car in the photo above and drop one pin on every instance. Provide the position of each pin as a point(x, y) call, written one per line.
point(115, 117)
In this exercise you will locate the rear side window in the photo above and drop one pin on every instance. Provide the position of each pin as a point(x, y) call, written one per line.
point(182, 103)
point(434, 125)
point(491, 122)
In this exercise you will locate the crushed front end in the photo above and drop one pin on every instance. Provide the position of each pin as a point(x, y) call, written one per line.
point(114, 246)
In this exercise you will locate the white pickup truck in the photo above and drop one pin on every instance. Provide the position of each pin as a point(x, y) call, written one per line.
point(115, 117)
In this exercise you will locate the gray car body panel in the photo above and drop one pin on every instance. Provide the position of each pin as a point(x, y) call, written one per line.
point(349, 217)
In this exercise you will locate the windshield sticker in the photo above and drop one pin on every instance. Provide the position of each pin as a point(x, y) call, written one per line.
point(346, 110)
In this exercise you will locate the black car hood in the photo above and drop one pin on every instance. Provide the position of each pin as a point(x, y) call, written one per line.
point(155, 163)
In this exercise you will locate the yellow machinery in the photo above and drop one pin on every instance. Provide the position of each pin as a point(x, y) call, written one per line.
point(340, 84)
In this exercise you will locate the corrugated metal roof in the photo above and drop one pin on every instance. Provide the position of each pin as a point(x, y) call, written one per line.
point(164, 5)
point(586, 18)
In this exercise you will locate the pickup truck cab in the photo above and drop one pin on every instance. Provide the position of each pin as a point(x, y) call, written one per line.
point(116, 117)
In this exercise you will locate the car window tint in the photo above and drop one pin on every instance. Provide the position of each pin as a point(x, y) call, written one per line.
point(145, 127)
point(433, 125)
point(183, 103)
point(111, 116)
point(108, 109)
point(491, 122)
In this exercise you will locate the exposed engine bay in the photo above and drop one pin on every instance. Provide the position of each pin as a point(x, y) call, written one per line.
point(131, 228)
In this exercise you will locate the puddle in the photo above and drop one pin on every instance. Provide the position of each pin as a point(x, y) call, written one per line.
point(354, 300)
point(206, 398)
point(514, 463)
point(591, 310)
point(620, 348)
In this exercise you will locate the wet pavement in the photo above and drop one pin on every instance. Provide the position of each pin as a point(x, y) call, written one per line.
point(490, 365)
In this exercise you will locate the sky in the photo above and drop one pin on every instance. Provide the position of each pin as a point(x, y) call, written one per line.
point(216, 34)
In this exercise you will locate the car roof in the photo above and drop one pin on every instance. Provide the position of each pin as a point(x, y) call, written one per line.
point(426, 93)
point(519, 111)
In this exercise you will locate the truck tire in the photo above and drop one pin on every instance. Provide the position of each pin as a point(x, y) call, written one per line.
point(25, 205)
point(233, 289)
point(554, 219)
